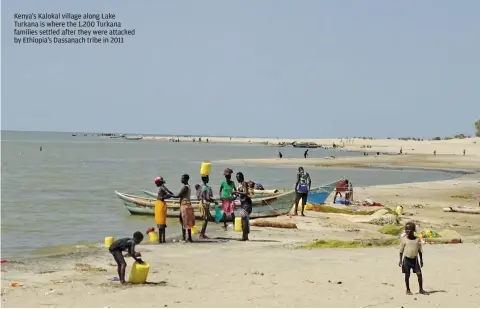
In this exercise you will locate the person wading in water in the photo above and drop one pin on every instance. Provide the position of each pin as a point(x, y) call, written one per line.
point(245, 205)
point(206, 197)
point(187, 215)
point(227, 196)
point(302, 186)
point(161, 208)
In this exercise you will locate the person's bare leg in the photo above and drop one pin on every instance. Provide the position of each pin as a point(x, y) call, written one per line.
point(420, 285)
point(407, 284)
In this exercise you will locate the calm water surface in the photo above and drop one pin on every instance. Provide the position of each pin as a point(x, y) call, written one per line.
point(64, 194)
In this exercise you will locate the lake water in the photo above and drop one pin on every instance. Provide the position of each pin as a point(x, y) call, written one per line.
point(65, 194)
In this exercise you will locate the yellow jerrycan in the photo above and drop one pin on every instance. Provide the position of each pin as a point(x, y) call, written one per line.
point(109, 241)
point(153, 236)
point(238, 224)
point(139, 273)
point(205, 169)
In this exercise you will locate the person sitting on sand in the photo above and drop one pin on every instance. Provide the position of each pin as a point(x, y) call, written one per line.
point(246, 205)
point(125, 244)
point(302, 186)
point(161, 208)
point(227, 196)
point(187, 215)
point(206, 197)
point(410, 248)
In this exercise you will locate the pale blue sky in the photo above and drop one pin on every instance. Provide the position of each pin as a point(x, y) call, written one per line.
point(256, 68)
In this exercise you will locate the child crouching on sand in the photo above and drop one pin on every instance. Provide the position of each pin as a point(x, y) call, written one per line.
point(125, 244)
point(410, 250)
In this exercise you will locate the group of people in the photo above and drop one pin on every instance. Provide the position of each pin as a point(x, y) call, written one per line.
point(228, 195)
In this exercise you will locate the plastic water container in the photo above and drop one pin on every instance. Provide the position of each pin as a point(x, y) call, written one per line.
point(218, 213)
point(153, 236)
point(205, 169)
point(139, 273)
point(109, 241)
point(194, 230)
point(399, 210)
point(238, 224)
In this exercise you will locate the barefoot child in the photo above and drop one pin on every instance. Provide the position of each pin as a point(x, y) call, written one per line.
point(125, 244)
point(410, 248)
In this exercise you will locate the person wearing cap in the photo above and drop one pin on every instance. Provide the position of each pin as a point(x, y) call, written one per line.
point(227, 196)
point(161, 208)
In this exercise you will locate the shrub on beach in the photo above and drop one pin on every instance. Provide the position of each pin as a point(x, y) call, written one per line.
point(391, 229)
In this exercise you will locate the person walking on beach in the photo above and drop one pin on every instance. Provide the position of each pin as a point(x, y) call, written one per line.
point(161, 208)
point(187, 215)
point(302, 186)
point(305, 154)
point(206, 197)
point(464, 150)
point(410, 250)
point(245, 205)
point(227, 196)
point(280, 155)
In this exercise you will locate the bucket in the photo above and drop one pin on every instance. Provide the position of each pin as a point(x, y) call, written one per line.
point(109, 241)
point(205, 168)
point(238, 224)
point(399, 210)
point(153, 236)
point(139, 273)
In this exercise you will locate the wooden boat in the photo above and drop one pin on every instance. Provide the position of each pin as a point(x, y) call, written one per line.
point(257, 193)
point(463, 209)
point(305, 145)
point(268, 206)
point(133, 138)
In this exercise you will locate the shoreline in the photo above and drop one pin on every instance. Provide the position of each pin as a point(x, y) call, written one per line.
point(63, 280)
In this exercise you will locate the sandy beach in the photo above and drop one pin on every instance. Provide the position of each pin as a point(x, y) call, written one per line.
point(274, 269)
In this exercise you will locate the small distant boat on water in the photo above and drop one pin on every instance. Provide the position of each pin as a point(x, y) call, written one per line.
point(305, 145)
point(267, 206)
point(133, 138)
point(74, 134)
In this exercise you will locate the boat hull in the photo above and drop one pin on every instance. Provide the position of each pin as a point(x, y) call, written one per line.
point(257, 193)
point(262, 207)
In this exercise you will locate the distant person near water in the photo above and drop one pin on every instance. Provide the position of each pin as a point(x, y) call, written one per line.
point(125, 244)
point(206, 197)
point(245, 205)
point(187, 215)
point(42, 148)
point(161, 208)
point(305, 154)
point(410, 250)
point(227, 196)
point(302, 187)
point(280, 155)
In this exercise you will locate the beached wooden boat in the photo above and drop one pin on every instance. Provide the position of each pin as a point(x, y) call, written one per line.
point(465, 210)
point(257, 193)
point(268, 206)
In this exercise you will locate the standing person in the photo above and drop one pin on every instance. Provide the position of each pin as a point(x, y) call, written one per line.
point(280, 155)
point(125, 244)
point(410, 250)
point(227, 196)
point(161, 208)
point(349, 192)
point(464, 150)
point(206, 197)
point(302, 186)
point(245, 205)
point(187, 214)
point(305, 154)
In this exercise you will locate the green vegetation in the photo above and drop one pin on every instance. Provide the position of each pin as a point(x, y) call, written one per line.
point(391, 229)
point(477, 128)
point(352, 244)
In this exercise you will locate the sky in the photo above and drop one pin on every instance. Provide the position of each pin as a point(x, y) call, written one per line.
point(265, 68)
